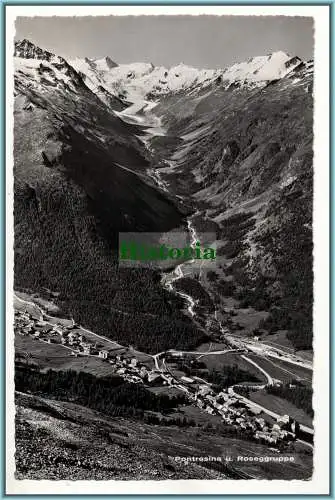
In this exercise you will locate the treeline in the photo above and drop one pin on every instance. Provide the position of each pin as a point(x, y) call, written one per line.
point(190, 366)
point(205, 225)
point(230, 375)
point(280, 279)
point(290, 243)
point(110, 395)
point(227, 376)
point(144, 331)
point(242, 390)
point(149, 418)
point(300, 395)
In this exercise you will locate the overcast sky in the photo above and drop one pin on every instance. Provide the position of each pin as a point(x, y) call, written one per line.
point(200, 41)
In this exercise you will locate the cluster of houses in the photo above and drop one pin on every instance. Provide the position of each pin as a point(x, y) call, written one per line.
point(226, 404)
point(284, 429)
point(244, 416)
point(26, 324)
point(233, 411)
point(128, 368)
point(39, 328)
point(71, 336)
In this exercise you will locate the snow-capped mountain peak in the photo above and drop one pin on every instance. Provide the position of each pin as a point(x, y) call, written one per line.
point(28, 50)
point(139, 81)
point(103, 64)
point(263, 68)
point(117, 85)
point(110, 63)
point(41, 69)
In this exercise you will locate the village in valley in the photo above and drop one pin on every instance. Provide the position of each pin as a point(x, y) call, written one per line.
point(233, 408)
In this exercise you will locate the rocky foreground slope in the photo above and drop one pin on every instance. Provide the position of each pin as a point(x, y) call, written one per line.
point(57, 440)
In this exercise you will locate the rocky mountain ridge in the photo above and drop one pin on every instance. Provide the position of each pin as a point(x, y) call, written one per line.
point(124, 83)
point(144, 80)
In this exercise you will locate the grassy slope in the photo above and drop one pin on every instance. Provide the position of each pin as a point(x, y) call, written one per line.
point(284, 371)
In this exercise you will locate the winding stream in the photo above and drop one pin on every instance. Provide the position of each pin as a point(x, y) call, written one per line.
point(170, 278)
point(155, 128)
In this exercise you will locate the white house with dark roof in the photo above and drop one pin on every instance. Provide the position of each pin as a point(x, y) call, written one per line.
point(103, 354)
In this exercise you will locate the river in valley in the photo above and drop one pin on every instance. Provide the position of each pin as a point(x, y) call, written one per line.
point(169, 279)
point(153, 127)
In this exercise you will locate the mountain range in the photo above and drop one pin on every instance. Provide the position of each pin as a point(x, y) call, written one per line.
point(238, 140)
point(102, 148)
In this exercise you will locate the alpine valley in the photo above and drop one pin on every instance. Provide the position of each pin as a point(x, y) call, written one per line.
point(119, 370)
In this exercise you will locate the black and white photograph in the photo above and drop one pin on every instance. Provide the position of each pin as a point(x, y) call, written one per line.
point(166, 241)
